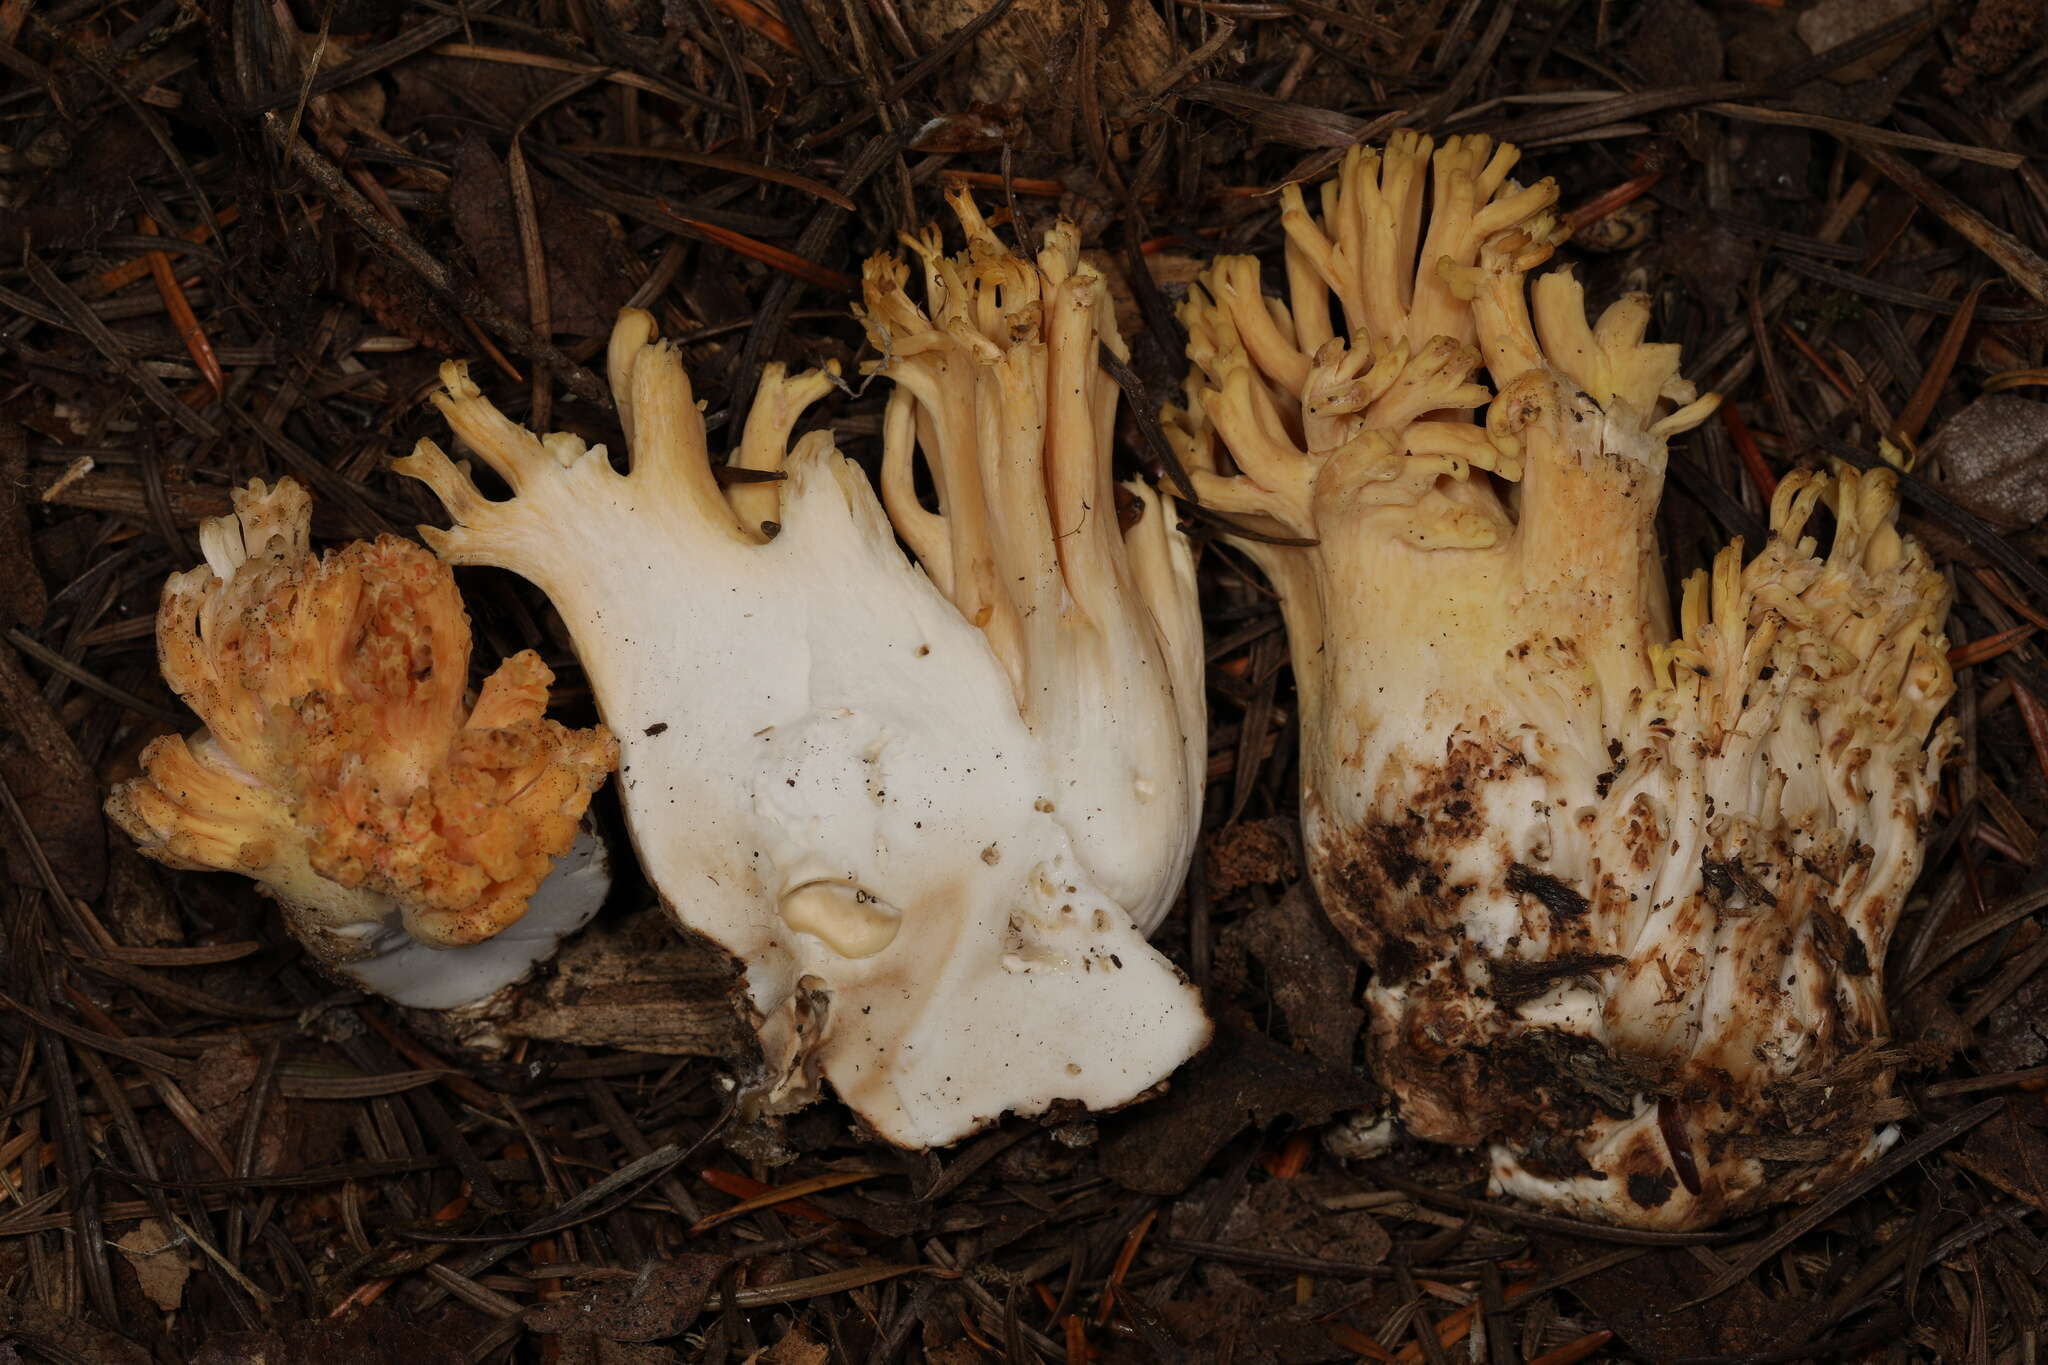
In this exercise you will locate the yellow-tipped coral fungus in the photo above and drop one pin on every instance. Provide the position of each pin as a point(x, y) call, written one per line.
point(343, 767)
point(1625, 884)
point(931, 810)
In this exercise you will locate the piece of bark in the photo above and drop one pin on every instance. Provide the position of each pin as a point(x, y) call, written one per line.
point(123, 496)
point(644, 986)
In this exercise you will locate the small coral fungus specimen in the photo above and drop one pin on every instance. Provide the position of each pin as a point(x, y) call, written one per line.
point(1625, 885)
point(931, 807)
point(343, 767)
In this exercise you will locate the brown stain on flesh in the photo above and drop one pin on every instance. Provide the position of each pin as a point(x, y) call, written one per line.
point(1450, 1037)
point(1388, 886)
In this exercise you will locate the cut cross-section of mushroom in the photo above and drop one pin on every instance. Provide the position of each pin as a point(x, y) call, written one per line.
point(932, 808)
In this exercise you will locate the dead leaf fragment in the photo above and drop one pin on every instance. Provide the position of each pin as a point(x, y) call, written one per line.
point(162, 1260)
point(79, 186)
point(1832, 23)
point(1290, 1216)
point(1314, 975)
point(1676, 43)
point(222, 1074)
point(1996, 453)
point(137, 909)
point(586, 284)
point(2017, 1032)
point(662, 1300)
point(1244, 1078)
point(1236, 1322)
point(69, 1332)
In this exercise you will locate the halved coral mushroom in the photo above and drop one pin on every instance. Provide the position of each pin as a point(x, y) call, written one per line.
point(931, 811)
point(404, 831)
point(1626, 888)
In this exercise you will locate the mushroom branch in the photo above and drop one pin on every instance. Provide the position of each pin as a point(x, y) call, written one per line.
point(1625, 883)
point(421, 844)
point(1083, 588)
point(930, 807)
